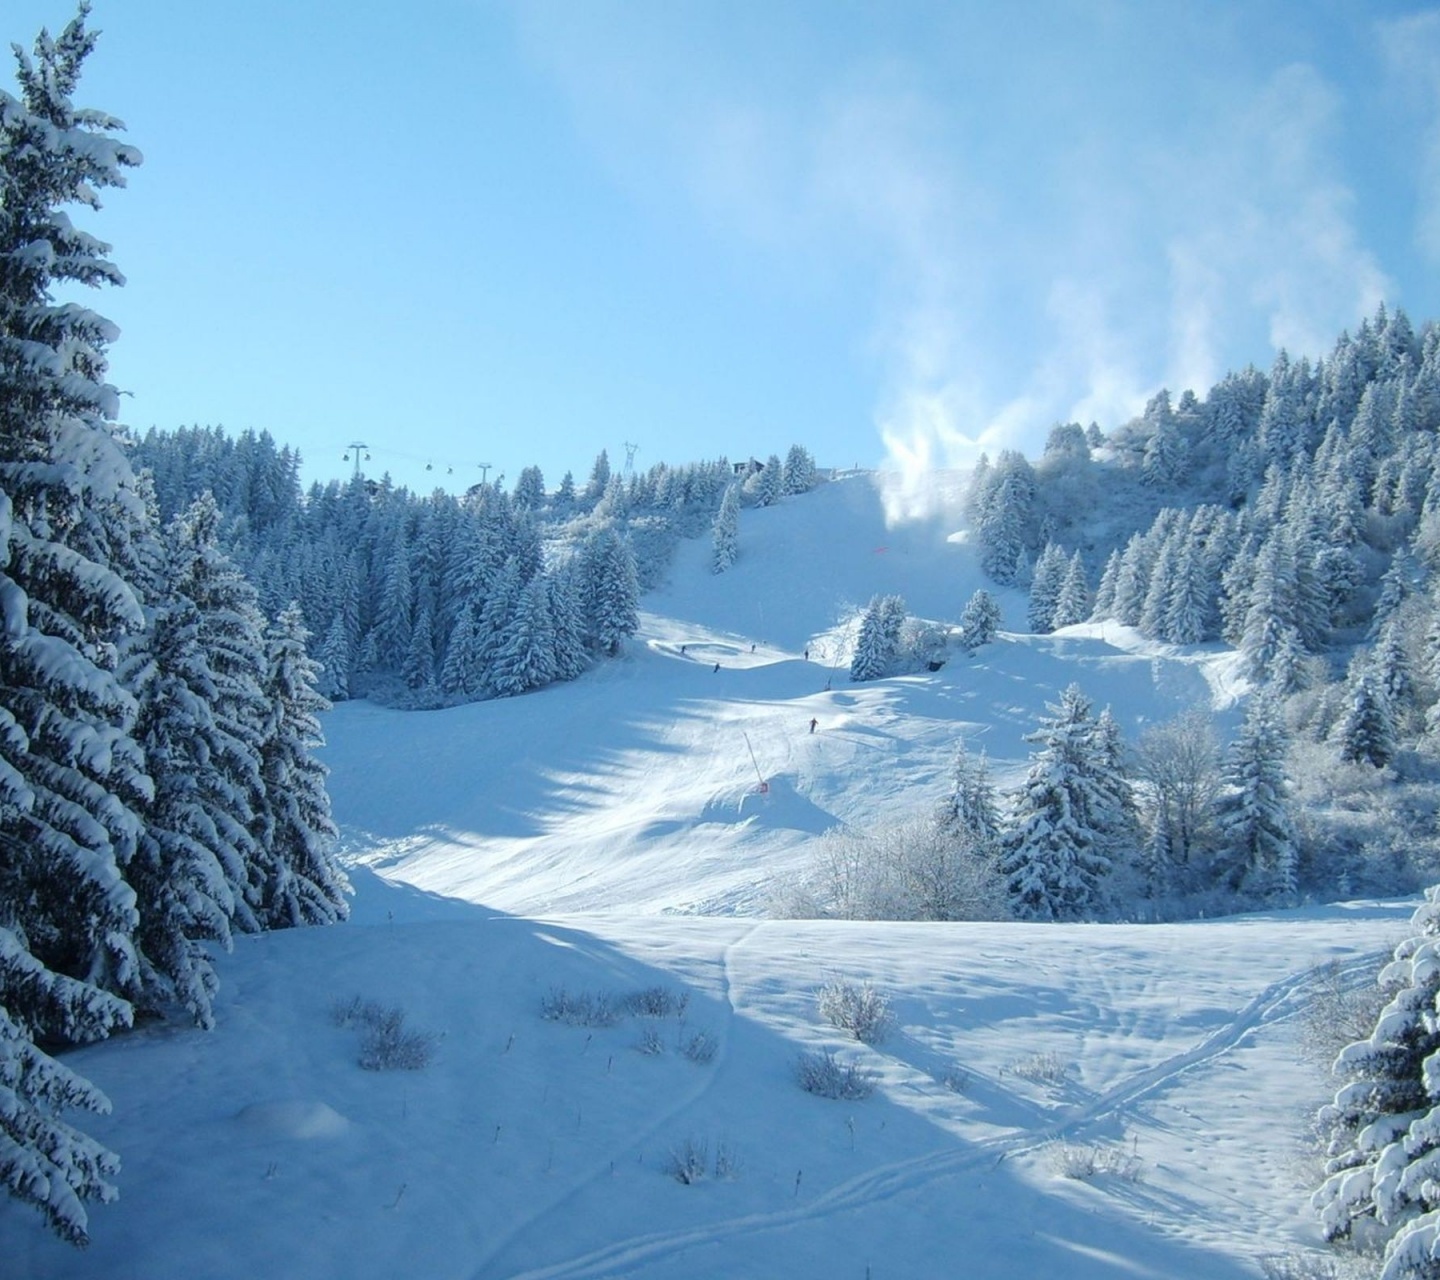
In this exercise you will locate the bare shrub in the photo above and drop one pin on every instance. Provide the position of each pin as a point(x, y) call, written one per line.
point(689, 1162)
point(354, 1012)
point(1041, 1068)
point(1296, 1265)
point(650, 1042)
point(825, 1076)
point(860, 1010)
point(1089, 1159)
point(656, 1002)
point(386, 1044)
point(582, 1010)
point(1341, 1012)
point(699, 1046)
point(954, 1078)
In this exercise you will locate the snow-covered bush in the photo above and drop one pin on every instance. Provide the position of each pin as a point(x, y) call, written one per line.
point(1084, 1160)
point(1313, 1266)
point(918, 869)
point(650, 1042)
point(386, 1043)
point(1047, 1068)
point(825, 1076)
point(859, 1009)
point(698, 1046)
point(656, 1002)
point(689, 1162)
point(582, 1010)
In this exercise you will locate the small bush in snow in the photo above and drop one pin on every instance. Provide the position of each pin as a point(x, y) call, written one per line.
point(355, 1012)
point(1041, 1068)
point(699, 1047)
point(657, 1002)
point(583, 1010)
point(650, 1042)
point(1312, 1266)
point(825, 1076)
point(955, 1078)
point(690, 1162)
point(1086, 1160)
point(386, 1044)
point(860, 1010)
point(1341, 1012)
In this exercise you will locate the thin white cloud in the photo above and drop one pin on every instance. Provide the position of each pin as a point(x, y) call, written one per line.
point(1411, 50)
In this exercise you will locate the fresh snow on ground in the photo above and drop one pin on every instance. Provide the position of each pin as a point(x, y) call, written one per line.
point(610, 836)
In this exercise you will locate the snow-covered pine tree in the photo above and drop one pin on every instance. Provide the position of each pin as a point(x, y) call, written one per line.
point(611, 592)
point(979, 620)
point(1383, 1128)
point(874, 650)
point(970, 806)
point(599, 478)
point(726, 530)
point(770, 483)
point(1004, 516)
point(334, 659)
point(1072, 604)
point(232, 638)
point(71, 773)
point(799, 474)
point(1054, 855)
point(186, 869)
point(1045, 584)
point(1254, 817)
point(565, 618)
point(304, 884)
point(527, 658)
point(1366, 732)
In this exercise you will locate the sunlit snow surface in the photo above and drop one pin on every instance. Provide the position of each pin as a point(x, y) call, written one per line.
point(530, 1148)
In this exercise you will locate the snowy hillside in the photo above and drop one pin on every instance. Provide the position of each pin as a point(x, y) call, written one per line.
point(513, 857)
point(634, 788)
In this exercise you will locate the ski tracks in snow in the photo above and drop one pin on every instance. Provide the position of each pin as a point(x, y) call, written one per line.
point(662, 1119)
point(1278, 1002)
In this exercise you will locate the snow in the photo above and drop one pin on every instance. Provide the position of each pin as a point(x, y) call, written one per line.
point(607, 836)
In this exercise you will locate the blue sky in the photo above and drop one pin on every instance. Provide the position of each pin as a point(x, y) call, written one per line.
point(472, 231)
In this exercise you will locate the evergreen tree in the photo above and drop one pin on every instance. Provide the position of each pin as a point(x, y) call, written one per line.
point(979, 620)
point(187, 865)
point(1045, 586)
point(530, 489)
point(1004, 516)
point(334, 659)
point(770, 483)
point(970, 807)
point(1383, 1127)
point(232, 640)
point(726, 530)
point(1254, 817)
point(566, 622)
point(878, 642)
point(1366, 733)
point(305, 884)
point(527, 659)
point(1054, 855)
point(611, 592)
point(1072, 604)
point(71, 773)
point(599, 480)
point(799, 473)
